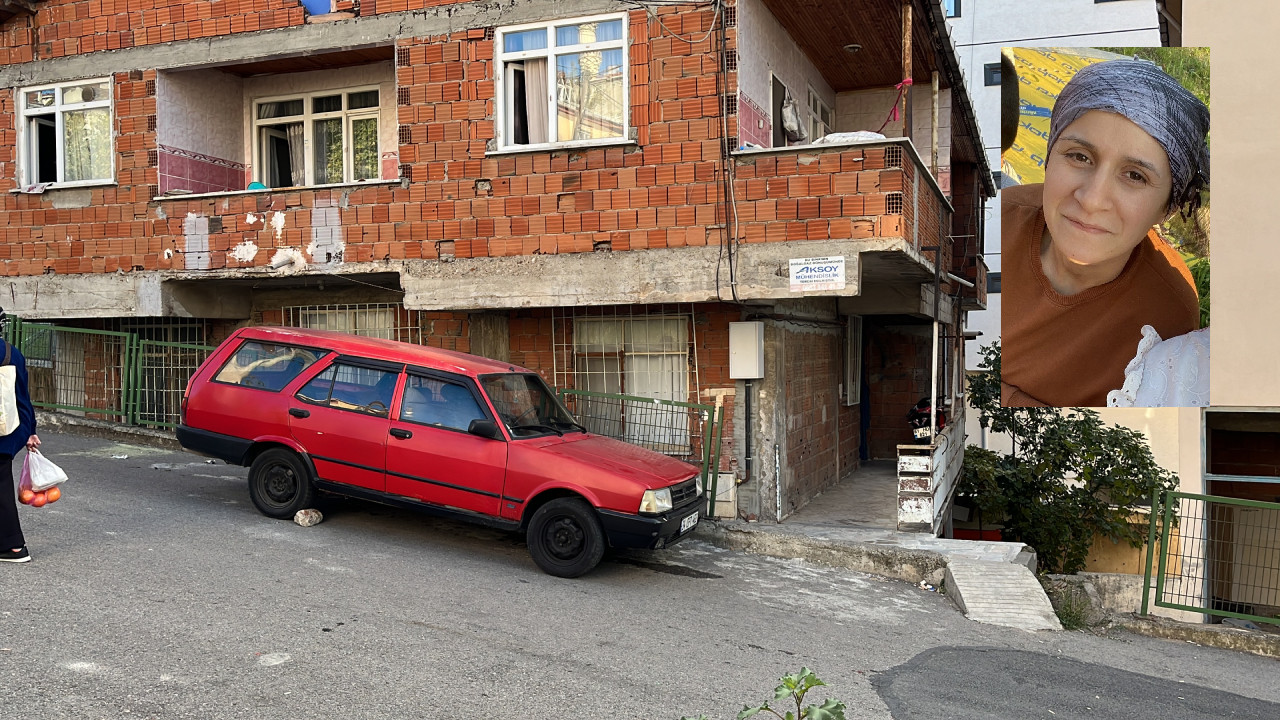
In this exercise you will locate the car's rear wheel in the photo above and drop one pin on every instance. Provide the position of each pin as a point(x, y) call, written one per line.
point(279, 483)
point(565, 538)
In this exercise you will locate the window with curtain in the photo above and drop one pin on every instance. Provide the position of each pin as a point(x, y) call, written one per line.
point(319, 138)
point(67, 133)
point(646, 357)
point(563, 82)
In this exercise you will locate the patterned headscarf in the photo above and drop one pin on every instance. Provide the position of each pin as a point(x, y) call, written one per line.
point(1142, 92)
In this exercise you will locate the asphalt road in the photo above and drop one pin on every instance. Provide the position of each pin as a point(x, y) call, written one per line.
point(158, 591)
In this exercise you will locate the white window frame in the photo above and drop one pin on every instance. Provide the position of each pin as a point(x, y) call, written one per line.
point(308, 119)
point(27, 139)
point(504, 85)
point(817, 110)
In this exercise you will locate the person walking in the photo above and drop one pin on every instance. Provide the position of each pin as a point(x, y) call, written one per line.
point(13, 546)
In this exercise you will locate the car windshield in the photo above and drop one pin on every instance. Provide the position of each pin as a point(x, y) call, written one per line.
point(527, 405)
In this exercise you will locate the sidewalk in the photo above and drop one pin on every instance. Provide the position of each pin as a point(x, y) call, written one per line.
point(852, 525)
point(848, 526)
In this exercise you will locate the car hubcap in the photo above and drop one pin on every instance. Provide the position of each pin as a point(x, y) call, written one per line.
point(564, 538)
point(280, 484)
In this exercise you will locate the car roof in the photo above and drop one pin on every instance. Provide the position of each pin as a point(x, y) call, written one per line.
point(390, 350)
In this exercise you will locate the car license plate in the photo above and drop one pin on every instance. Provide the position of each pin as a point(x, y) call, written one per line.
point(687, 524)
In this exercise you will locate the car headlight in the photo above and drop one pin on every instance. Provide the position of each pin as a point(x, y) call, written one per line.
point(656, 501)
point(697, 481)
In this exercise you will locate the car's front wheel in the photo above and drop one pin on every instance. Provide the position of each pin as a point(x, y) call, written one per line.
point(565, 538)
point(279, 483)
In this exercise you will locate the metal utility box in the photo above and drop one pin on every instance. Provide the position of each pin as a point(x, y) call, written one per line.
point(746, 350)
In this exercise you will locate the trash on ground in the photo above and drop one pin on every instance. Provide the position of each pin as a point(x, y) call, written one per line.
point(308, 517)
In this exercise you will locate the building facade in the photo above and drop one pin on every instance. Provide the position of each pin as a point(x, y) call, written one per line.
point(592, 189)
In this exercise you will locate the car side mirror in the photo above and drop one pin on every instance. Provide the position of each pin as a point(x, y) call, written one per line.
point(485, 428)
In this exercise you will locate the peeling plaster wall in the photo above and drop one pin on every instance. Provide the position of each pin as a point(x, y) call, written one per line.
point(766, 49)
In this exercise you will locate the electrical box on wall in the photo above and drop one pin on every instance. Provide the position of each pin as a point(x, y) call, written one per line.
point(746, 350)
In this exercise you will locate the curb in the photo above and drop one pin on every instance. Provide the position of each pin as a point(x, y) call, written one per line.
point(912, 566)
point(62, 422)
point(1219, 636)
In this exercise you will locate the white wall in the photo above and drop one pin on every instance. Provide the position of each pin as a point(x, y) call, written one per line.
point(201, 111)
point(765, 50)
point(985, 26)
point(867, 110)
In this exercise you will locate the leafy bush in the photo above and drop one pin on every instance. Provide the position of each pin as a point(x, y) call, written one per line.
point(1069, 478)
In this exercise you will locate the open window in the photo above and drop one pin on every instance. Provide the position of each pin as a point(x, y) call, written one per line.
point(340, 127)
point(67, 133)
point(562, 82)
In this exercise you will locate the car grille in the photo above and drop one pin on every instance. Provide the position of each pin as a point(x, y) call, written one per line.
point(684, 492)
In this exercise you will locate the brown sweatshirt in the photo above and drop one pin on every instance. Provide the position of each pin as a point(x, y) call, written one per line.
point(1070, 350)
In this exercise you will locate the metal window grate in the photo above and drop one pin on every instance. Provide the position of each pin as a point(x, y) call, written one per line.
point(893, 156)
point(388, 321)
point(639, 352)
point(169, 351)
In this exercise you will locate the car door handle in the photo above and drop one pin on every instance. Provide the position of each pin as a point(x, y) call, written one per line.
point(402, 434)
point(299, 413)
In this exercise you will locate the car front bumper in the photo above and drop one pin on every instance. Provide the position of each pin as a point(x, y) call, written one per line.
point(625, 530)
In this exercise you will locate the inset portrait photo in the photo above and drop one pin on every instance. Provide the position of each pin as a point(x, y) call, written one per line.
point(1105, 228)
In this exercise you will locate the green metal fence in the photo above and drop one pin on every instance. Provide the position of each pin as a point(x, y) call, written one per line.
point(1214, 555)
point(688, 431)
point(105, 374)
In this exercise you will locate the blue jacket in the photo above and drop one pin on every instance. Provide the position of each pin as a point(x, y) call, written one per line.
point(13, 442)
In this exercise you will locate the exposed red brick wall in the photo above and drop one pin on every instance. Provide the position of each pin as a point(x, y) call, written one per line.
point(74, 27)
point(663, 192)
point(897, 369)
point(813, 370)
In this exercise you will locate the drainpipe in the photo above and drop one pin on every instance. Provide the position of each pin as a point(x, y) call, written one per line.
point(746, 428)
point(777, 478)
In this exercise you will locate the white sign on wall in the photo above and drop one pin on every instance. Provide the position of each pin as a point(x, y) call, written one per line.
point(815, 274)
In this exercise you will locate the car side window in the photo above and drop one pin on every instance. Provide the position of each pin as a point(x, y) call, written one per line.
point(430, 401)
point(266, 366)
point(348, 387)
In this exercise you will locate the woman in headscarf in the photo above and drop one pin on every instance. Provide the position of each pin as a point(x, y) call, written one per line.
point(1084, 269)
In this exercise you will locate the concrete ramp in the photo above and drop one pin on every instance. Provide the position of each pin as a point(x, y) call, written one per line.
point(1000, 594)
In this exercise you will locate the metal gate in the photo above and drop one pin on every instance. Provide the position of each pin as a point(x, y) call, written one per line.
point(1214, 555)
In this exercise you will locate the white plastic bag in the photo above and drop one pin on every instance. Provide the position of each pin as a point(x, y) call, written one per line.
point(8, 400)
point(44, 473)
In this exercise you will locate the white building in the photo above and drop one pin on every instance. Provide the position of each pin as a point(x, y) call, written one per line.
point(979, 29)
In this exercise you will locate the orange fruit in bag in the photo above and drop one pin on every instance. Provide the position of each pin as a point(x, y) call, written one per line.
point(26, 496)
point(39, 500)
point(53, 493)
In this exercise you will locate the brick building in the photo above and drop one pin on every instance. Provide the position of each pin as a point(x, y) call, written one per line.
point(594, 189)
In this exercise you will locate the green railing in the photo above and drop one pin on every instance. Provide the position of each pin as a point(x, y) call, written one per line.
point(1214, 555)
point(688, 431)
point(160, 374)
point(105, 374)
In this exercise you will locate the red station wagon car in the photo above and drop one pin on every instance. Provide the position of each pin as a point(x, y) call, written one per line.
point(433, 429)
